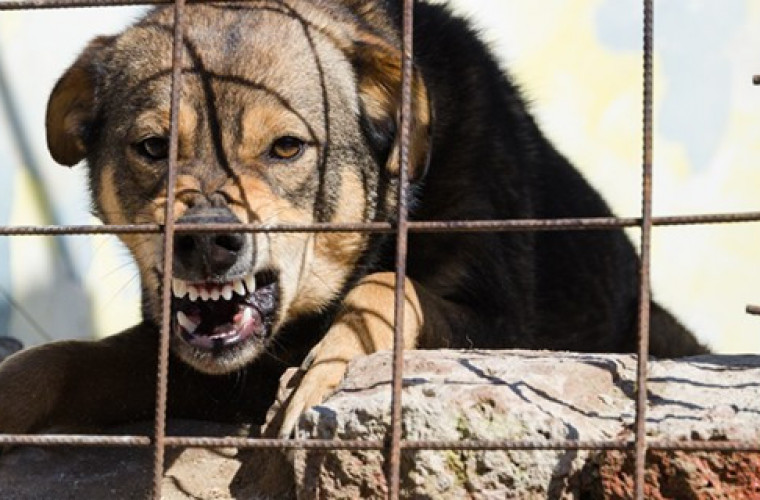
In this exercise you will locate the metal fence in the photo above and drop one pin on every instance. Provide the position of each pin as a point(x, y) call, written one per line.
point(393, 445)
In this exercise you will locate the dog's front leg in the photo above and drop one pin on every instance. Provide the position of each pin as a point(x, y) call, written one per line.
point(79, 384)
point(363, 326)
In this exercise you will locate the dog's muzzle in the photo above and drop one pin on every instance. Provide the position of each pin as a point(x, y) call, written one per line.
point(219, 302)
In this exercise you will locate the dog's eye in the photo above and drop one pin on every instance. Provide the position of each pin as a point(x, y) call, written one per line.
point(153, 148)
point(286, 148)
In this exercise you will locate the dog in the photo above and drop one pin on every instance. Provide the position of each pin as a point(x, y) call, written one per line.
point(289, 114)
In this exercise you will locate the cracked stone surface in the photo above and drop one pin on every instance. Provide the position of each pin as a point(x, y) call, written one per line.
point(537, 396)
point(454, 395)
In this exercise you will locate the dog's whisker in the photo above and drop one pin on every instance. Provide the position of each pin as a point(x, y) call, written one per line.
point(121, 289)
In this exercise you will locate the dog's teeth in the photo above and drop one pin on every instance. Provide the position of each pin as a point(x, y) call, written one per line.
point(185, 322)
point(193, 293)
point(215, 294)
point(204, 294)
point(250, 283)
point(247, 315)
point(227, 292)
point(238, 287)
point(179, 288)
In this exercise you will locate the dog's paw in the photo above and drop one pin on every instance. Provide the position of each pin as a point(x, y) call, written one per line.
point(319, 377)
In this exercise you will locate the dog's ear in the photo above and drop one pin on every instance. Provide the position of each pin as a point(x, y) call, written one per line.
point(71, 108)
point(378, 68)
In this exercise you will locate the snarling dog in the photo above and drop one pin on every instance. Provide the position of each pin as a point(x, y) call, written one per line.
point(289, 114)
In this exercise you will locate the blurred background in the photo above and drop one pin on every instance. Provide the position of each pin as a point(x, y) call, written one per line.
point(577, 61)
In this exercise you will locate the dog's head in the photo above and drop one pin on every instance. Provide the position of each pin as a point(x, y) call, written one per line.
point(288, 115)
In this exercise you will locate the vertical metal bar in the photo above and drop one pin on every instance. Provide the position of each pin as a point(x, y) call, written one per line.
point(646, 238)
point(394, 458)
point(166, 284)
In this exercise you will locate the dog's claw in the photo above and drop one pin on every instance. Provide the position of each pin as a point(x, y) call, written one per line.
point(318, 382)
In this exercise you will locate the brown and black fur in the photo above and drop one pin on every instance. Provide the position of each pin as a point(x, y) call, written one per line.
point(329, 69)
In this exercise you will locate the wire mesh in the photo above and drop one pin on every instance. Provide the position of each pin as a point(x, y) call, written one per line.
point(395, 444)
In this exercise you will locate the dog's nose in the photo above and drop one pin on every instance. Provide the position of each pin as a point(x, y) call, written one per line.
point(208, 254)
point(218, 252)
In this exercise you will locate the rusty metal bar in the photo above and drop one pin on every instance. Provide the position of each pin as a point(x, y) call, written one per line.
point(466, 444)
point(564, 224)
point(753, 310)
point(73, 440)
point(357, 445)
point(645, 268)
point(70, 4)
point(168, 242)
point(73, 4)
point(394, 452)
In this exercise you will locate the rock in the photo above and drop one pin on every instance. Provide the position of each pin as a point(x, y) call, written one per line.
point(536, 396)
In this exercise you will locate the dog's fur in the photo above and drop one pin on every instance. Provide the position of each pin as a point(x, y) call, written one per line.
point(327, 73)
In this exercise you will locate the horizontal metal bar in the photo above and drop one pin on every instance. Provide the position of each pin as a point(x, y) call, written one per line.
point(753, 310)
point(557, 445)
point(73, 440)
point(285, 444)
point(564, 224)
point(6, 5)
point(69, 4)
point(354, 444)
point(472, 445)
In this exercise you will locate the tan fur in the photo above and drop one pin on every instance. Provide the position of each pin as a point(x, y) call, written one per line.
point(335, 254)
point(364, 325)
point(70, 105)
point(140, 245)
point(186, 189)
point(380, 89)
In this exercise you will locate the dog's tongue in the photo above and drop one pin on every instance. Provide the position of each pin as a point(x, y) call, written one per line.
point(211, 326)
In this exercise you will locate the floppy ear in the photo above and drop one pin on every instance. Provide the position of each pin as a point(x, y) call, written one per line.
point(71, 107)
point(378, 68)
